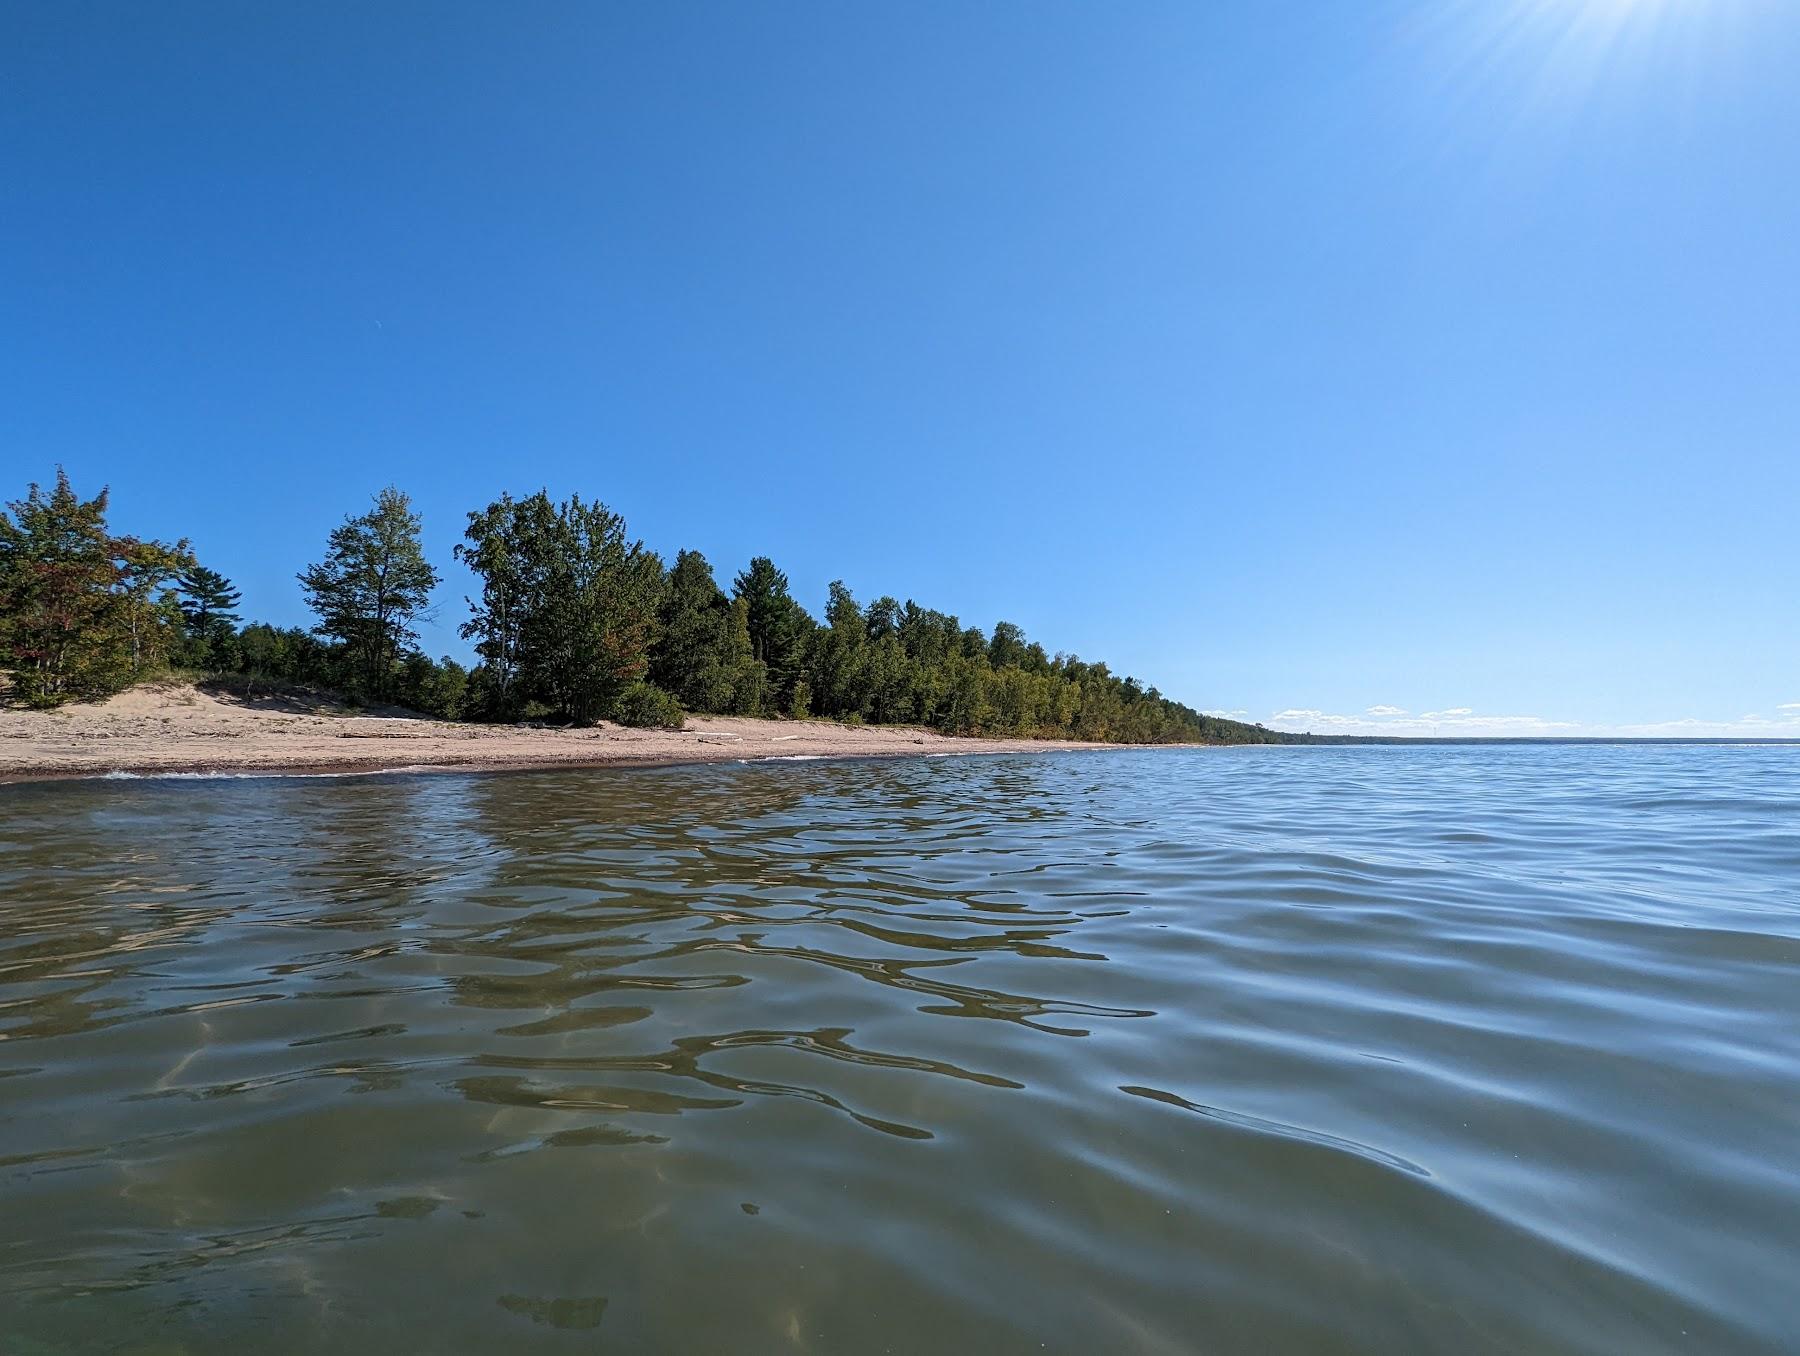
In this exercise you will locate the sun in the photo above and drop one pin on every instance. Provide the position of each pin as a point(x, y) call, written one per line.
point(1548, 54)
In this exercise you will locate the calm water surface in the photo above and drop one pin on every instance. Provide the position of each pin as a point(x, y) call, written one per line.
point(1256, 1050)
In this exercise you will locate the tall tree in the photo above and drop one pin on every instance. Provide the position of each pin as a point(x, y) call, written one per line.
point(209, 614)
point(145, 575)
point(839, 659)
point(57, 611)
point(373, 584)
point(81, 612)
point(497, 551)
point(693, 658)
point(891, 681)
point(569, 607)
point(749, 675)
point(591, 633)
point(1007, 647)
point(208, 603)
point(778, 627)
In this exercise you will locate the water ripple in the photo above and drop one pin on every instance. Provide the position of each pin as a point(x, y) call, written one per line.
point(1258, 1050)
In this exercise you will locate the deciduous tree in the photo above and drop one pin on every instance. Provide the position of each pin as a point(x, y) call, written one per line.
point(82, 612)
point(569, 607)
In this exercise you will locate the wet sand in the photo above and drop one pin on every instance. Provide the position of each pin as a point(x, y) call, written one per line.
point(174, 728)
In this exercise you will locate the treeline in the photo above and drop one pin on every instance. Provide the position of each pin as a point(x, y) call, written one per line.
point(574, 623)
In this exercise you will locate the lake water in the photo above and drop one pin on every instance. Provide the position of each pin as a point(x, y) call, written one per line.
point(1432, 1049)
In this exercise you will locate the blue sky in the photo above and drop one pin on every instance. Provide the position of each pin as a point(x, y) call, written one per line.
point(1311, 361)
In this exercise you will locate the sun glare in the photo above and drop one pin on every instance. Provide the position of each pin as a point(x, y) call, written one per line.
point(1545, 55)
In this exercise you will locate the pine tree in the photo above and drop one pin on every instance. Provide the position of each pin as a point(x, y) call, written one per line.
point(693, 658)
point(208, 602)
point(373, 584)
point(778, 627)
point(208, 611)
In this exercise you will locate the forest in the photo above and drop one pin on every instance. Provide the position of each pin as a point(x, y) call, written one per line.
point(574, 623)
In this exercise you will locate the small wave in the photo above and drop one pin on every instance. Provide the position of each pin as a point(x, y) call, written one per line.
point(1258, 1125)
point(176, 776)
point(120, 775)
point(1200, 1025)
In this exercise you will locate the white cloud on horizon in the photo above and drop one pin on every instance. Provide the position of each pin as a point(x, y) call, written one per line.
point(1463, 722)
point(1239, 714)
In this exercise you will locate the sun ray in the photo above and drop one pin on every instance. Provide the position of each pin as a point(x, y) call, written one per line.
point(1554, 55)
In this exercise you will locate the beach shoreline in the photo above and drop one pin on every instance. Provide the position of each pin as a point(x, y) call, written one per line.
point(172, 730)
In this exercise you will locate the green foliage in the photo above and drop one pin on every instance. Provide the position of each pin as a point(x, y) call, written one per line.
point(497, 551)
point(800, 700)
point(838, 657)
point(569, 608)
point(696, 657)
point(209, 615)
point(283, 657)
point(778, 628)
point(900, 663)
point(373, 584)
point(482, 698)
point(749, 675)
point(149, 609)
point(433, 689)
point(82, 613)
point(647, 706)
point(1007, 648)
point(574, 623)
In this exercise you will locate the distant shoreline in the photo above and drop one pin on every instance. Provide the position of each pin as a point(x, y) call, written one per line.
point(1316, 740)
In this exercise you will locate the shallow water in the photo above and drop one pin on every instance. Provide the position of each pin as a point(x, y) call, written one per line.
point(1255, 1050)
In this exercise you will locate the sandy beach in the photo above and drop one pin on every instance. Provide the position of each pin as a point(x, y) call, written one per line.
point(172, 728)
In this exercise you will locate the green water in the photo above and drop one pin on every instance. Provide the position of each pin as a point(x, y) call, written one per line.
point(1256, 1050)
